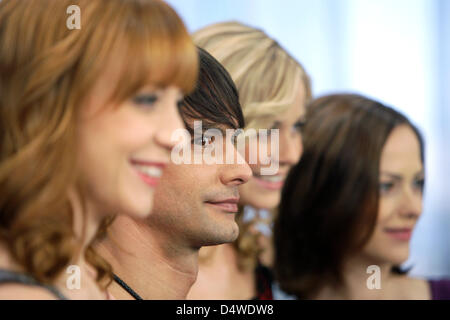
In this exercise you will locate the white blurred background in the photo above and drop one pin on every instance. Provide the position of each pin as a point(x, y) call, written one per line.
point(397, 51)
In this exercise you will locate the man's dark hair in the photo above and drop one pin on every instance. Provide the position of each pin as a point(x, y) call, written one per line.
point(215, 99)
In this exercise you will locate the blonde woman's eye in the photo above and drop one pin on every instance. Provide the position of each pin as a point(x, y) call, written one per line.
point(276, 125)
point(299, 125)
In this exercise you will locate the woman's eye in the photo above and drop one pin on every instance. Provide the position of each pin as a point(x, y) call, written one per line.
point(145, 100)
point(204, 140)
point(386, 187)
point(419, 184)
point(276, 125)
point(299, 125)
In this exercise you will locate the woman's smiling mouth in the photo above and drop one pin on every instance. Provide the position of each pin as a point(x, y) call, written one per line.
point(149, 172)
point(274, 182)
point(401, 234)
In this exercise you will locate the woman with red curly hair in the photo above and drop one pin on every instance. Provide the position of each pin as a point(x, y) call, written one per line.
point(86, 118)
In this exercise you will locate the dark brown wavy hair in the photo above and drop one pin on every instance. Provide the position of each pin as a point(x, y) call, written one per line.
point(46, 74)
point(329, 203)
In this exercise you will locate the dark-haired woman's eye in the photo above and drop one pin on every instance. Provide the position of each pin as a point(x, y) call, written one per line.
point(145, 100)
point(180, 103)
point(419, 184)
point(386, 187)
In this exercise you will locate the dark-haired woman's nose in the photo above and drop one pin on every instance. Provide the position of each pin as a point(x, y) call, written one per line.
point(410, 206)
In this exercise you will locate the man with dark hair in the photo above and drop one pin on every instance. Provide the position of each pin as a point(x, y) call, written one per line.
point(195, 203)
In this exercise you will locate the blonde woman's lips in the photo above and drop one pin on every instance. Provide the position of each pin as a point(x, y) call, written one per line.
point(270, 182)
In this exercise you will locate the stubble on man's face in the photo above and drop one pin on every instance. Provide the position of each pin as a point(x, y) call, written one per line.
point(181, 209)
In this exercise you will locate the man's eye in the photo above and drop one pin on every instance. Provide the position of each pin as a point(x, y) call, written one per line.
point(145, 100)
point(204, 140)
point(236, 136)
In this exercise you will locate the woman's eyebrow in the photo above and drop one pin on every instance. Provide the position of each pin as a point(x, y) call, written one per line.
point(392, 175)
point(399, 177)
point(301, 119)
point(420, 173)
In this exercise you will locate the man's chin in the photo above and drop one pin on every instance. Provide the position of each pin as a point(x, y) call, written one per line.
point(221, 239)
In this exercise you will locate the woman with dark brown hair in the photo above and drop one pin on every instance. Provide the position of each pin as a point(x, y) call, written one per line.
point(349, 206)
point(86, 118)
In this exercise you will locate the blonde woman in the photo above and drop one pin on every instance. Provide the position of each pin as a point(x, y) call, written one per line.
point(86, 118)
point(273, 89)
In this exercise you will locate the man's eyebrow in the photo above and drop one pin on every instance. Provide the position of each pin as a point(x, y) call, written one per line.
point(218, 126)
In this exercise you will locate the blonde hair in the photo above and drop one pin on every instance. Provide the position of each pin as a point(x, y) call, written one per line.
point(267, 78)
point(46, 73)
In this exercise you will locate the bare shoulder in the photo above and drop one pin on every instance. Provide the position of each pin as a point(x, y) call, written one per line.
point(23, 292)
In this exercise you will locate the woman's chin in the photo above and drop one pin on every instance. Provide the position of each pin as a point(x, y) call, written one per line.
point(253, 195)
point(263, 203)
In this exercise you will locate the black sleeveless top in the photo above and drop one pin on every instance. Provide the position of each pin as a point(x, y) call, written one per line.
point(264, 281)
point(7, 276)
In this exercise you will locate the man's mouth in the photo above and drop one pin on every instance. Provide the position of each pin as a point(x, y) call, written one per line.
point(228, 205)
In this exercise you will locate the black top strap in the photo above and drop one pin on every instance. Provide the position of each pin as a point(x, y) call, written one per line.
point(7, 276)
point(264, 281)
point(126, 287)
